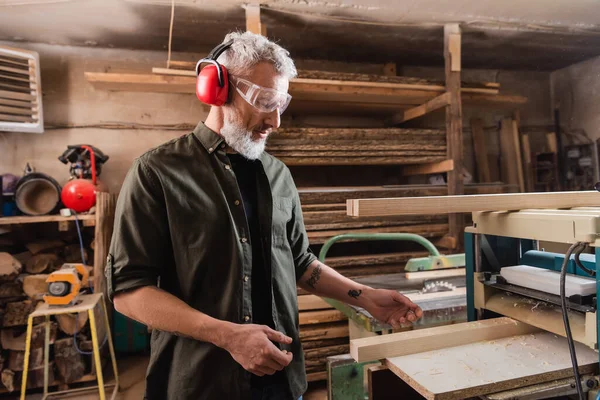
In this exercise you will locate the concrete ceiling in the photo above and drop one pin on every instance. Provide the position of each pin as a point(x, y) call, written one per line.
point(508, 34)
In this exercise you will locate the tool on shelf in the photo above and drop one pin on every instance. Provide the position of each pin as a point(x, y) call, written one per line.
point(79, 194)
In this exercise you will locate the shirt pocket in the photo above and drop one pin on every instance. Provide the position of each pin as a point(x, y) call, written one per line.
point(282, 215)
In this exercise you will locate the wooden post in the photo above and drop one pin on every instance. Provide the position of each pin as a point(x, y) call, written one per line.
point(454, 135)
point(105, 214)
point(253, 22)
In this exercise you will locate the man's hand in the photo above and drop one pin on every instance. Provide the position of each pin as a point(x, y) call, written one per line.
point(391, 307)
point(251, 346)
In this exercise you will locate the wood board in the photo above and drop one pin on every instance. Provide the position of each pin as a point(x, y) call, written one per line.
point(490, 366)
point(421, 340)
point(470, 203)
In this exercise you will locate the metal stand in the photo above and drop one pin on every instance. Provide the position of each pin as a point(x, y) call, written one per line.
point(86, 303)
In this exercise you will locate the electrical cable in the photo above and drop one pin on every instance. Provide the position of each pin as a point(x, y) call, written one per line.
point(565, 315)
point(580, 265)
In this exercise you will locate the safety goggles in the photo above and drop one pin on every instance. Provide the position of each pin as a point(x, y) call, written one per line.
point(265, 100)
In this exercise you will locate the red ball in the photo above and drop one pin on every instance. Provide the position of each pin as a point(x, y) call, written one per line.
point(79, 195)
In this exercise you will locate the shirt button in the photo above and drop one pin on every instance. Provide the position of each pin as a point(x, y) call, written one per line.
point(223, 146)
point(210, 149)
point(245, 278)
point(244, 240)
point(246, 318)
point(237, 202)
point(227, 167)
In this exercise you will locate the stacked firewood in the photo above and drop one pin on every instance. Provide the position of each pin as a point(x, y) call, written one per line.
point(375, 146)
point(23, 284)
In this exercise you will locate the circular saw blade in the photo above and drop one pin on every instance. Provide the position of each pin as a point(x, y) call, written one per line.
point(437, 286)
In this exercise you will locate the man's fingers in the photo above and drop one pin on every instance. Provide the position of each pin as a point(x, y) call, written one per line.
point(411, 316)
point(271, 364)
point(277, 336)
point(282, 358)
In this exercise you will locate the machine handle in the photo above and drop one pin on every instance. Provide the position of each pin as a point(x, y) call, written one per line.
point(379, 236)
point(93, 159)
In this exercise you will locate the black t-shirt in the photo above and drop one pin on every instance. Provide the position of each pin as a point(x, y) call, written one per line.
point(246, 173)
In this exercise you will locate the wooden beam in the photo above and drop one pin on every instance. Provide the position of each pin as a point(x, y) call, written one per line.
point(432, 105)
point(519, 159)
point(454, 131)
point(253, 22)
point(529, 179)
point(431, 168)
point(481, 150)
point(470, 203)
point(312, 302)
point(421, 340)
point(320, 317)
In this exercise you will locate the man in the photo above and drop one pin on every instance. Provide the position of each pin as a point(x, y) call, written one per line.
point(209, 245)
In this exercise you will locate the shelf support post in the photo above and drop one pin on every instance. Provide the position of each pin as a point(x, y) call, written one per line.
point(454, 132)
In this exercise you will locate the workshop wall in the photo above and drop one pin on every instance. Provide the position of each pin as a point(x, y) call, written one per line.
point(575, 92)
point(76, 113)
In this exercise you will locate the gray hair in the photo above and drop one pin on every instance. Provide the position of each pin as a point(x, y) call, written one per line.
point(249, 49)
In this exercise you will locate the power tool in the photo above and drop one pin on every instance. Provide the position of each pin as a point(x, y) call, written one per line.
point(65, 284)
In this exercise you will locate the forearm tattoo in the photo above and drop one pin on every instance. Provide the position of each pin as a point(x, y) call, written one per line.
point(354, 293)
point(314, 277)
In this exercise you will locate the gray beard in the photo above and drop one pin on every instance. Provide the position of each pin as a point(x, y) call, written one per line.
point(240, 140)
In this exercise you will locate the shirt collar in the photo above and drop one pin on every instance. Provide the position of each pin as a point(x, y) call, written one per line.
point(209, 138)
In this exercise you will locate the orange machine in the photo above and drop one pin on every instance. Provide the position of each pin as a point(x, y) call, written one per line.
point(64, 285)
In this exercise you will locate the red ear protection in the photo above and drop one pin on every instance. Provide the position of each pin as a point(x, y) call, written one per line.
point(212, 84)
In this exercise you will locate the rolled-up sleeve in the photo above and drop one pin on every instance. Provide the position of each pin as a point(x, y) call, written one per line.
point(140, 242)
point(298, 238)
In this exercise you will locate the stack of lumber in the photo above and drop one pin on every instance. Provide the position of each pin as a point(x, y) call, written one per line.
point(341, 146)
point(418, 83)
point(323, 333)
point(22, 286)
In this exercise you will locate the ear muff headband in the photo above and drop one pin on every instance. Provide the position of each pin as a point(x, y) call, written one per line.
point(212, 59)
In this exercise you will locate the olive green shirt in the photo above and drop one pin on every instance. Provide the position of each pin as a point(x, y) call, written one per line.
point(180, 225)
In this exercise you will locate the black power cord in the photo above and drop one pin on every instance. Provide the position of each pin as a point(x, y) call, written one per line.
point(579, 246)
point(580, 265)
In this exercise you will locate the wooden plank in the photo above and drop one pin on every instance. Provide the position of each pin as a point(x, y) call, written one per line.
point(171, 71)
point(432, 105)
point(431, 168)
point(508, 151)
point(43, 218)
point(306, 161)
point(494, 365)
point(320, 317)
point(422, 340)
point(105, 212)
point(253, 21)
point(435, 274)
point(316, 376)
point(481, 150)
point(527, 169)
point(471, 203)
point(518, 158)
point(324, 331)
point(454, 44)
point(454, 129)
point(312, 302)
